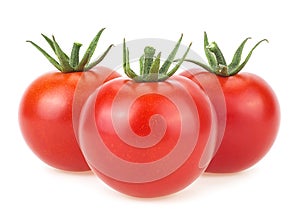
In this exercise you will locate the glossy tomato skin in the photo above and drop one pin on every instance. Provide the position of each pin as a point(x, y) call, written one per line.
point(49, 111)
point(252, 121)
point(147, 139)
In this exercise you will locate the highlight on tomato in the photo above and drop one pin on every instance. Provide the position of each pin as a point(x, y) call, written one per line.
point(252, 109)
point(149, 134)
point(50, 107)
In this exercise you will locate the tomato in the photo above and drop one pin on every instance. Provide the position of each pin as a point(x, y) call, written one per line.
point(148, 135)
point(252, 121)
point(49, 112)
point(245, 104)
point(50, 107)
point(147, 139)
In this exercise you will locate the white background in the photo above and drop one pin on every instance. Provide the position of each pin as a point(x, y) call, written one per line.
point(31, 189)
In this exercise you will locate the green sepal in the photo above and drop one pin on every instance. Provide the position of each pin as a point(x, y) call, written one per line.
point(149, 64)
point(51, 44)
point(241, 66)
point(155, 65)
point(49, 41)
point(164, 68)
point(216, 61)
point(126, 64)
point(141, 60)
point(206, 67)
point(63, 60)
point(170, 73)
point(97, 61)
point(237, 56)
point(89, 52)
point(67, 64)
point(49, 57)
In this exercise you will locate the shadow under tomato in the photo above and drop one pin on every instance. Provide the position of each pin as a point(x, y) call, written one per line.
point(209, 184)
point(69, 173)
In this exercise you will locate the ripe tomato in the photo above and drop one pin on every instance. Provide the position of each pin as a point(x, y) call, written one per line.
point(49, 112)
point(252, 121)
point(250, 107)
point(51, 105)
point(147, 139)
point(151, 134)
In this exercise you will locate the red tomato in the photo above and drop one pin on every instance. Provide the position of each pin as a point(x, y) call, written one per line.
point(49, 112)
point(252, 119)
point(148, 139)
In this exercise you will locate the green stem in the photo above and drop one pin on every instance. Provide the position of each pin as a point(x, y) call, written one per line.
point(209, 55)
point(148, 59)
point(74, 58)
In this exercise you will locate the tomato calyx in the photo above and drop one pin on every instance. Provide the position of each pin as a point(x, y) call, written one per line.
point(150, 69)
point(216, 61)
point(67, 64)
